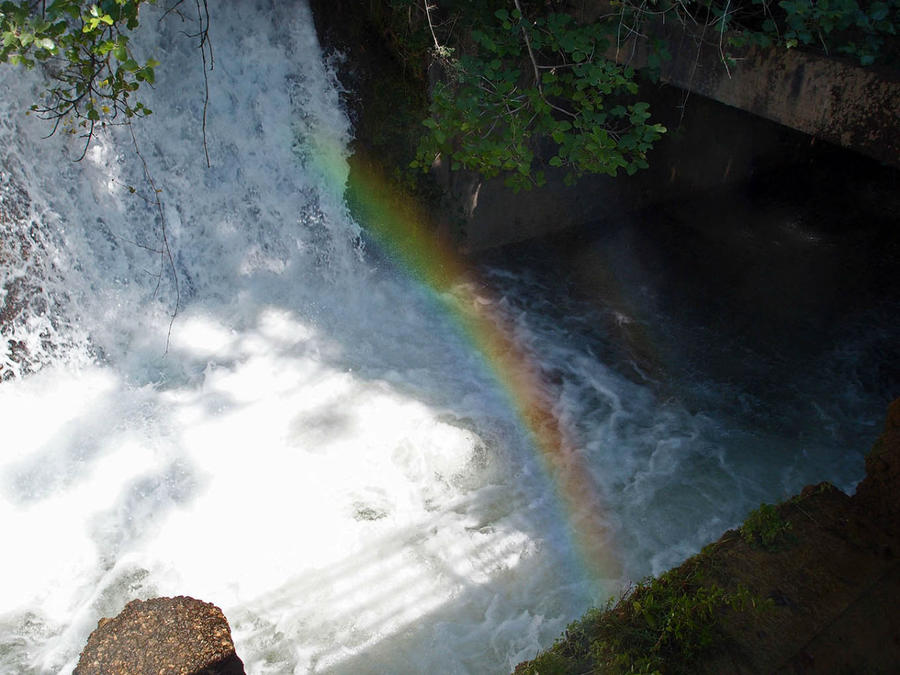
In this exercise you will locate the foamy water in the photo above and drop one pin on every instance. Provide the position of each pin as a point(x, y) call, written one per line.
point(314, 447)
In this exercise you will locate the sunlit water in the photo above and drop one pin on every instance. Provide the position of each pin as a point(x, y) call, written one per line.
point(315, 447)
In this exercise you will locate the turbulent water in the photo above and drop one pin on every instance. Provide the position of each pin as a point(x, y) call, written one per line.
point(312, 444)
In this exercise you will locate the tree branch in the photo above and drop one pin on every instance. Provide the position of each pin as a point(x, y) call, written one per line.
point(534, 65)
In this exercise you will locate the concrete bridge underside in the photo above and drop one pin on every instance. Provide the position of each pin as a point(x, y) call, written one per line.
point(832, 99)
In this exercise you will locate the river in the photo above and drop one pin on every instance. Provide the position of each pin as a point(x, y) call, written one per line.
point(318, 442)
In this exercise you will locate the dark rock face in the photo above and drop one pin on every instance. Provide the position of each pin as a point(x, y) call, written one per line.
point(879, 493)
point(179, 635)
point(829, 591)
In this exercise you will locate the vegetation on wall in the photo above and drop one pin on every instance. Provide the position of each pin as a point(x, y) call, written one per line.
point(863, 29)
point(765, 529)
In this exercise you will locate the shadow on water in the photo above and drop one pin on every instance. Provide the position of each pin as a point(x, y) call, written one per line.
point(774, 301)
point(392, 606)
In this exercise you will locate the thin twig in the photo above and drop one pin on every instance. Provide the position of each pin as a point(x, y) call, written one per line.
point(204, 43)
point(687, 91)
point(173, 8)
point(166, 251)
point(428, 8)
point(723, 19)
point(534, 65)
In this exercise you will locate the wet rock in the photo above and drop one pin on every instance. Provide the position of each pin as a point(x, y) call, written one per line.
point(171, 636)
point(825, 597)
point(879, 493)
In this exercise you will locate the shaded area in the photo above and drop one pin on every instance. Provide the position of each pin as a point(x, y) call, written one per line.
point(757, 296)
point(829, 98)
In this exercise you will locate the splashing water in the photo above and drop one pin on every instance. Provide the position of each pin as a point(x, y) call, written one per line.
point(318, 452)
point(316, 447)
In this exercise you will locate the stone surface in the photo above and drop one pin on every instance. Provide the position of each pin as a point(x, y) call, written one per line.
point(833, 99)
point(171, 636)
point(879, 493)
point(831, 587)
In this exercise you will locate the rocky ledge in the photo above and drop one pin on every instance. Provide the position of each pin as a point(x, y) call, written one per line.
point(171, 636)
point(811, 585)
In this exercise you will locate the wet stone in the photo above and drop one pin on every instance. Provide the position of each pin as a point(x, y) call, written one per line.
point(162, 636)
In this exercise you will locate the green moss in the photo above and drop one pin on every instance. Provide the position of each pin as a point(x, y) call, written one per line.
point(659, 626)
point(765, 529)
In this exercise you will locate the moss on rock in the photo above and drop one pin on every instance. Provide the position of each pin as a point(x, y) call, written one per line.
point(821, 604)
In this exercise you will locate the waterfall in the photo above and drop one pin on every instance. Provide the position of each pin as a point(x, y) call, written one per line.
point(313, 446)
point(310, 443)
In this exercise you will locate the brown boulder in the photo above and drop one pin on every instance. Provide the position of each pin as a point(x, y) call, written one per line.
point(168, 636)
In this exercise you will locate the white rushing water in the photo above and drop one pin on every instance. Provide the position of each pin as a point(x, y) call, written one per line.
point(318, 452)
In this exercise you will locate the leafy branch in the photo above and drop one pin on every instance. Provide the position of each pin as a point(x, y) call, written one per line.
point(86, 52)
point(571, 108)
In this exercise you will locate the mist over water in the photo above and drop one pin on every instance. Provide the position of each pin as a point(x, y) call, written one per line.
point(314, 447)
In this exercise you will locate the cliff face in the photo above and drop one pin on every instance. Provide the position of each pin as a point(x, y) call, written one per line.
point(879, 493)
point(824, 585)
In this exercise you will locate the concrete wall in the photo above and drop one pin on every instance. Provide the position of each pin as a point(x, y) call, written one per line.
point(777, 103)
point(707, 146)
point(833, 99)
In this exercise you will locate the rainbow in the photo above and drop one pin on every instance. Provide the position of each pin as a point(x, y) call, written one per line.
point(403, 230)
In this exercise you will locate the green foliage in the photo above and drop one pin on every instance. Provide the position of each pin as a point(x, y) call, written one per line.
point(844, 26)
point(86, 53)
point(533, 92)
point(765, 529)
point(659, 626)
point(857, 28)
